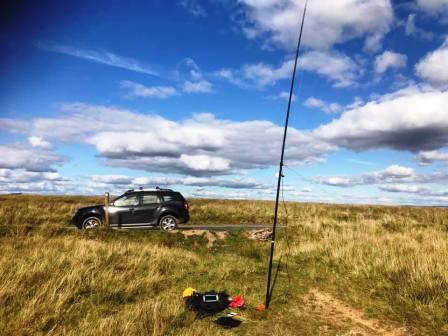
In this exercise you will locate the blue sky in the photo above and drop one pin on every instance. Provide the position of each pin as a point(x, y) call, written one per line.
point(104, 96)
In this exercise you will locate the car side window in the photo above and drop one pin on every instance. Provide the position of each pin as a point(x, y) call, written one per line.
point(168, 198)
point(150, 199)
point(128, 200)
point(172, 197)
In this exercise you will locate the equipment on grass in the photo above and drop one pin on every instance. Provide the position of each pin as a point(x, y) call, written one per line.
point(188, 292)
point(260, 307)
point(207, 304)
point(237, 302)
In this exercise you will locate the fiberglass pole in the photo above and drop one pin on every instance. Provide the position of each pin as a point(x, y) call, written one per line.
point(280, 169)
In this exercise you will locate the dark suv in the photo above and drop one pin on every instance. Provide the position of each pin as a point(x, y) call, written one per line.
point(139, 208)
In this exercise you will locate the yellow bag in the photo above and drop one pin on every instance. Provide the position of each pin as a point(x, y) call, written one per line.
point(188, 292)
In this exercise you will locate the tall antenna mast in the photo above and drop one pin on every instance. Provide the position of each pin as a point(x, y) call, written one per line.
point(280, 168)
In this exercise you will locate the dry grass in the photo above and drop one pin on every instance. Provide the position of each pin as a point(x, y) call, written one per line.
point(386, 264)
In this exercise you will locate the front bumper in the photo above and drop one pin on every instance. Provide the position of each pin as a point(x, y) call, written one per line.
point(76, 220)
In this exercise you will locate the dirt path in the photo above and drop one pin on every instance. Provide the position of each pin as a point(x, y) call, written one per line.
point(338, 313)
point(211, 236)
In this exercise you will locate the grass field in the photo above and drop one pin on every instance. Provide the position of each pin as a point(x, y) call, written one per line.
point(345, 270)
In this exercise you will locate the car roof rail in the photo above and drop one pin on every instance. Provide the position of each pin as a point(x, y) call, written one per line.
point(163, 189)
point(145, 189)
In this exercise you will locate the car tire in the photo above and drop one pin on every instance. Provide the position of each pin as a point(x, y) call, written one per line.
point(91, 223)
point(168, 223)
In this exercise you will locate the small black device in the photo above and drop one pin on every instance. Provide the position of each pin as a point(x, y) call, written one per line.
point(210, 298)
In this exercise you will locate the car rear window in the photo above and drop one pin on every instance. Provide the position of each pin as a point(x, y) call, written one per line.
point(172, 197)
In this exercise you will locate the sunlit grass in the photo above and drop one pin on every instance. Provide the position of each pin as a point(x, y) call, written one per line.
point(391, 263)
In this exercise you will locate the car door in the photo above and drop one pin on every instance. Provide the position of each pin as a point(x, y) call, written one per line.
point(122, 210)
point(146, 211)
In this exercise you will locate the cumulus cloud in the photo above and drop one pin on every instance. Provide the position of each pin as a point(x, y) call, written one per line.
point(201, 145)
point(20, 180)
point(124, 181)
point(425, 158)
point(434, 66)
point(373, 43)
point(19, 156)
point(187, 67)
point(329, 108)
point(257, 75)
point(285, 95)
point(201, 86)
point(327, 22)
point(411, 29)
point(392, 174)
point(39, 142)
point(412, 119)
point(139, 90)
point(203, 193)
point(336, 67)
point(415, 189)
point(420, 190)
point(433, 6)
point(392, 179)
point(389, 60)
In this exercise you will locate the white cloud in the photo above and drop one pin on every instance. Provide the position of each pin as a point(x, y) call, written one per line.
point(193, 79)
point(338, 68)
point(433, 6)
point(391, 174)
point(397, 179)
point(330, 108)
point(434, 65)
point(139, 90)
point(202, 86)
point(201, 146)
point(193, 7)
point(424, 191)
point(427, 157)
point(101, 57)
point(411, 29)
point(373, 43)
point(123, 181)
point(285, 95)
point(39, 142)
point(415, 189)
point(412, 119)
point(205, 163)
point(327, 22)
point(389, 60)
point(339, 181)
point(203, 193)
point(19, 180)
point(18, 156)
point(188, 67)
point(261, 74)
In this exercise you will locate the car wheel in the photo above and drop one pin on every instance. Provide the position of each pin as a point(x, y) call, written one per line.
point(91, 223)
point(168, 223)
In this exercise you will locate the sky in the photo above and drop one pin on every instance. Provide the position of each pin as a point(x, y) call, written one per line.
point(100, 96)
